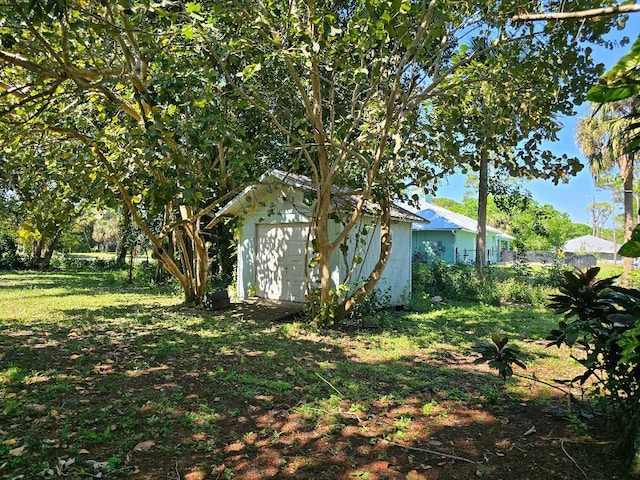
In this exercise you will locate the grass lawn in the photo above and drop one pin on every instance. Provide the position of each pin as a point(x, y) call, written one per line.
point(99, 378)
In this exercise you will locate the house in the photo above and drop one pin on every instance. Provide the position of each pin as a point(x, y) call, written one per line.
point(590, 244)
point(452, 236)
point(275, 241)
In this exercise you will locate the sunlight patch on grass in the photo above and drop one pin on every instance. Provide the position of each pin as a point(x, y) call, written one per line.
point(165, 368)
point(55, 297)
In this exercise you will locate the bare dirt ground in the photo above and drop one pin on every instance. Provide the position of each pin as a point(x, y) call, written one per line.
point(509, 440)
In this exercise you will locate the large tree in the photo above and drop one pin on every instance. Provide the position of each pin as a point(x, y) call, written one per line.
point(504, 130)
point(350, 97)
point(361, 82)
point(126, 82)
point(43, 196)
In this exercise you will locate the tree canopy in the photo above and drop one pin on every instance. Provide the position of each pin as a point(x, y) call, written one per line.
point(171, 107)
point(127, 87)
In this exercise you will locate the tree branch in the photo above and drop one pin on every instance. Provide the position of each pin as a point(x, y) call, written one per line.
point(595, 12)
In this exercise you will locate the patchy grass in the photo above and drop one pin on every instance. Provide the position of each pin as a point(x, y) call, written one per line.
point(98, 377)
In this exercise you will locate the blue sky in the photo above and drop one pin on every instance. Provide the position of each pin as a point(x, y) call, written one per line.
point(575, 196)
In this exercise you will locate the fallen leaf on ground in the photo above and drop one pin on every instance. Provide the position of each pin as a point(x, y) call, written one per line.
point(144, 446)
point(17, 452)
point(414, 475)
point(98, 466)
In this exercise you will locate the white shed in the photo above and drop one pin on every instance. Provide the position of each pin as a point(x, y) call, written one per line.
point(275, 242)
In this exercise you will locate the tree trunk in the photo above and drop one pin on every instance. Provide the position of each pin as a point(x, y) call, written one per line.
point(195, 257)
point(323, 247)
point(45, 257)
point(483, 193)
point(86, 238)
point(125, 240)
point(613, 227)
point(158, 276)
point(626, 169)
point(385, 251)
point(36, 248)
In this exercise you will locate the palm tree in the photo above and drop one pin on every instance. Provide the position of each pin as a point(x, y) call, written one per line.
point(603, 138)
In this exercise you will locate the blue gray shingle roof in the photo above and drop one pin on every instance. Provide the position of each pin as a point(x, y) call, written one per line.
point(442, 219)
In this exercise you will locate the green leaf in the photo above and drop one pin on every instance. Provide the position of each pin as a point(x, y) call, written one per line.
point(250, 70)
point(606, 94)
point(621, 81)
point(334, 32)
point(499, 340)
point(188, 32)
point(361, 72)
point(625, 67)
point(632, 247)
point(193, 7)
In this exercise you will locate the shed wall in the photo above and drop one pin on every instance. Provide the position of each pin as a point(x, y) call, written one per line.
point(394, 283)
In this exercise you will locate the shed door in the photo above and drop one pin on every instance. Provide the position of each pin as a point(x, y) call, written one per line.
point(280, 261)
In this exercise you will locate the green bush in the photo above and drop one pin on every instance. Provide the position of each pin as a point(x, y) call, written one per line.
point(512, 291)
point(9, 258)
point(75, 264)
point(499, 355)
point(500, 286)
point(601, 319)
point(440, 278)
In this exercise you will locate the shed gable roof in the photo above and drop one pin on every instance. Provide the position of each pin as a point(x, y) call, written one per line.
point(340, 196)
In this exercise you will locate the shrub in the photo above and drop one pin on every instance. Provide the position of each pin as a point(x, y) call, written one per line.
point(461, 282)
point(513, 291)
point(9, 258)
point(440, 278)
point(499, 355)
point(78, 264)
point(372, 312)
point(601, 319)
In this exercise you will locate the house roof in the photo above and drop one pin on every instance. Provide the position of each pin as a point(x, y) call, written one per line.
point(442, 219)
point(589, 244)
point(340, 196)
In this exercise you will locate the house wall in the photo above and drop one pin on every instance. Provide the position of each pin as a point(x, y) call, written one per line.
point(422, 238)
point(465, 247)
point(459, 245)
point(395, 281)
point(495, 245)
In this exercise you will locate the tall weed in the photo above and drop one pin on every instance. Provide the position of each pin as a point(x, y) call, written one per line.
point(501, 285)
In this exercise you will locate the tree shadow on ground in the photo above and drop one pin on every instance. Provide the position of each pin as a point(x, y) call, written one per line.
point(239, 394)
